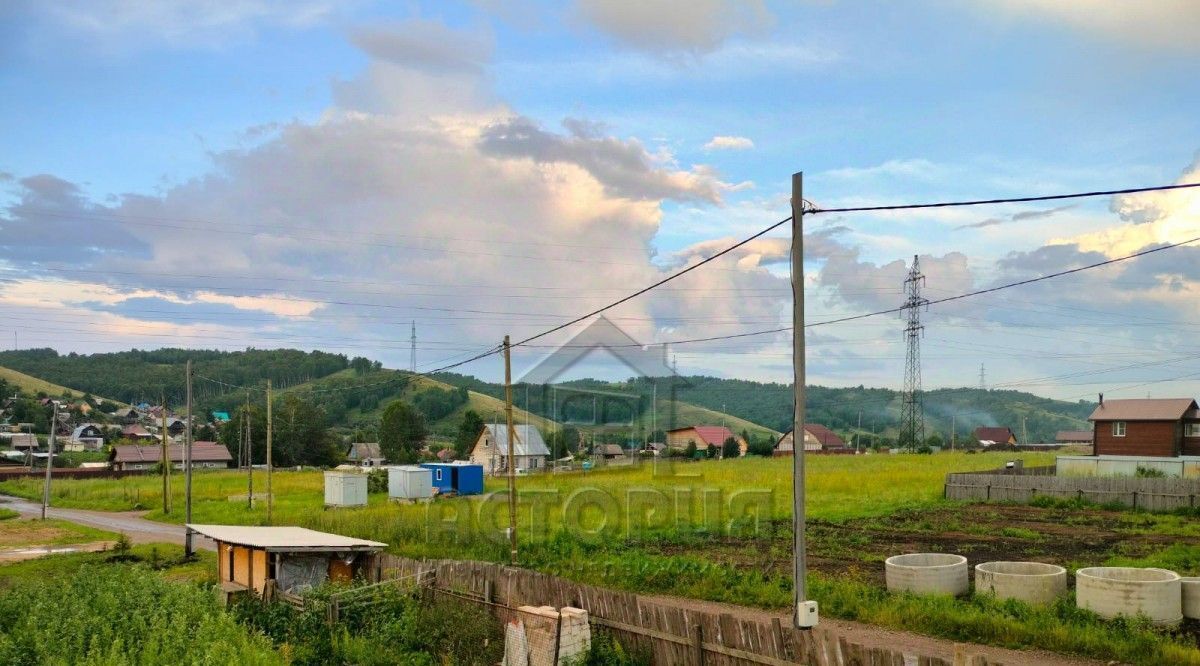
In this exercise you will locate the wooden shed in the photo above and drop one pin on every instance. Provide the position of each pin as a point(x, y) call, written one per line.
point(291, 559)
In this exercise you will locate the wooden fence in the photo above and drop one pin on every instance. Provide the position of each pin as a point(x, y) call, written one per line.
point(1149, 494)
point(670, 634)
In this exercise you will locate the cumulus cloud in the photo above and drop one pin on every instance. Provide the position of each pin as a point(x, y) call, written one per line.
point(1169, 24)
point(1168, 216)
point(673, 26)
point(624, 167)
point(427, 45)
point(729, 143)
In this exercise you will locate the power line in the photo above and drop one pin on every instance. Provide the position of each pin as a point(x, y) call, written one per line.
point(815, 210)
point(661, 282)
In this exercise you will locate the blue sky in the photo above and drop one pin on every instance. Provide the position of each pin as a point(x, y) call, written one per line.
point(315, 174)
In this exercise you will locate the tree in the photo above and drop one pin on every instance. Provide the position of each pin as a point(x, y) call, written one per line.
point(300, 435)
point(730, 448)
point(712, 451)
point(934, 440)
point(761, 446)
point(468, 432)
point(690, 451)
point(402, 432)
point(232, 432)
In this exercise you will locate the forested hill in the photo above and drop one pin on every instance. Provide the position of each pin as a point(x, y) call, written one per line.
point(770, 405)
point(147, 376)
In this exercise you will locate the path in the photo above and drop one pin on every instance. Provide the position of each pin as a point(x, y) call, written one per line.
point(130, 523)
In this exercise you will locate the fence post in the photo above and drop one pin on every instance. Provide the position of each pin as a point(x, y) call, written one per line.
point(988, 497)
point(697, 645)
point(1134, 493)
point(557, 637)
point(777, 636)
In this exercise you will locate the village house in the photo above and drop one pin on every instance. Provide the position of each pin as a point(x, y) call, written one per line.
point(23, 441)
point(365, 454)
point(703, 437)
point(993, 436)
point(817, 439)
point(205, 455)
point(1161, 427)
point(85, 437)
point(608, 451)
point(125, 415)
point(136, 432)
point(491, 448)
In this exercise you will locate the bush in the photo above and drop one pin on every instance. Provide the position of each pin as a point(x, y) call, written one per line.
point(121, 614)
point(377, 481)
point(1149, 473)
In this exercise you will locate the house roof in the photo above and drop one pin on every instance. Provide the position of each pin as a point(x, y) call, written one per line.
point(152, 453)
point(135, 430)
point(78, 431)
point(220, 416)
point(529, 440)
point(1143, 409)
point(998, 434)
point(1073, 436)
point(825, 436)
point(363, 451)
point(23, 440)
point(610, 450)
point(715, 435)
point(284, 539)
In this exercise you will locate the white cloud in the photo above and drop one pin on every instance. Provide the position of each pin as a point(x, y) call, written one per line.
point(673, 26)
point(1165, 24)
point(729, 143)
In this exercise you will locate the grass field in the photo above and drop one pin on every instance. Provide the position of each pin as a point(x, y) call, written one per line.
point(33, 385)
point(20, 533)
point(721, 530)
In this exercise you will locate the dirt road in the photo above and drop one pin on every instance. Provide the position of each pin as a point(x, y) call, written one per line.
point(130, 523)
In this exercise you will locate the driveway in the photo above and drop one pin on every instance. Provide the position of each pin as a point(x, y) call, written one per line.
point(130, 523)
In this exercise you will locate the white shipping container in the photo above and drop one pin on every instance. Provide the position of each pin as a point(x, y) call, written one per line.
point(410, 482)
point(344, 488)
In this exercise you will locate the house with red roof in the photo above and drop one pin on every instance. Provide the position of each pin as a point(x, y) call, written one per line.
point(703, 436)
point(817, 439)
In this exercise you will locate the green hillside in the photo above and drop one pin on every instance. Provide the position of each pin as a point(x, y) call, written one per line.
point(32, 385)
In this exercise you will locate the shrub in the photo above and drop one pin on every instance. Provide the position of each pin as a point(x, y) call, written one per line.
point(121, 614)
point(1149, 473)
point(377, 481)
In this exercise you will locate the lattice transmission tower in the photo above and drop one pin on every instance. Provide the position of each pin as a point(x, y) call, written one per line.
point(912, 417)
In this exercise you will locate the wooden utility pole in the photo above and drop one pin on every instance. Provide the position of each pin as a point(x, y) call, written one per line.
point(804, 612)
point(165, 461)
point(512, 466)
point(1024, 433)
point(248, 443)
point(49, 459)
point(187, 468)
point(953, 429)
point(269, 452)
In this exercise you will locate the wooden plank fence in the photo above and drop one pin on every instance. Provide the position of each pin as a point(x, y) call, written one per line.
point(1148, 494)
point(668, 633)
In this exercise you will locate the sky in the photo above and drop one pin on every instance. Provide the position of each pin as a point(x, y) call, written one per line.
point(321, 175)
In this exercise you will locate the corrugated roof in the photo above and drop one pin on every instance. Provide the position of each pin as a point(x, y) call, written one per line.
point(283, 538)
point(152, 453)
point(529, 440)
point(825, 436)
point(1143, 409)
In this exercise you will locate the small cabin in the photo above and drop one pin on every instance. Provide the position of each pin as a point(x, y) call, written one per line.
point(290, 559)
point(458, 477)
point(410, 482)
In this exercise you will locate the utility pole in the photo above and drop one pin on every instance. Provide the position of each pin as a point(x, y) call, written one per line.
point(953, 429)
point(49, 459)
point(512, 467)
point(269, 502)
point(805, 615)
point(187, 468)
point(982, 382)
point(858, 431)
point(248, 443)
point(165, 460)
point(1024, 433)
point(912, 414)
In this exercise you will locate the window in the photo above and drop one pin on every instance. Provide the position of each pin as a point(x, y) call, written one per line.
point(1191, 430)
point(1118, 428)
point(439, 474)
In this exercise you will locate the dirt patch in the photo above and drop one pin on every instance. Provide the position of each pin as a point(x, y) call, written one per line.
point(15, 533)
point(982, 532)
point(32, 552)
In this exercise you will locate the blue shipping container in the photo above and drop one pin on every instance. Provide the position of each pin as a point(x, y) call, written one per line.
point(462, 478)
